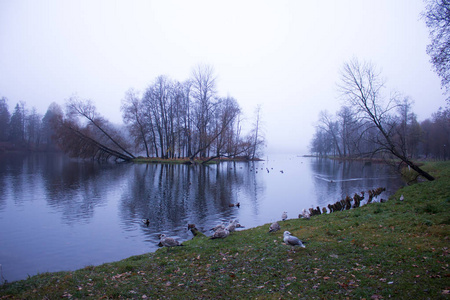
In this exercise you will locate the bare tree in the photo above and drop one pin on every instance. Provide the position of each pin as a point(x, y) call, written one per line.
point(52, 117)
point(322, 143)
point(439, 134)
point(331, 127)
point(361, 86)
point(33, 128)
point(406, 133)
point(83, 141)
point(257, 136)
point(133, 116)
point(203, 93)
point(437, 17)
point(348, 129)
point(186, 119)
point(226, 113)
point(98, 135)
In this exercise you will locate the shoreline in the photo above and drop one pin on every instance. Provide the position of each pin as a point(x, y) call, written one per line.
point(377, 249)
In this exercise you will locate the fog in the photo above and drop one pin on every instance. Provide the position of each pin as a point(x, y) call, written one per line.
point(284, 55)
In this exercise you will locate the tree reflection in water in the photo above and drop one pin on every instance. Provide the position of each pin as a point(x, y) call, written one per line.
point(63, 214)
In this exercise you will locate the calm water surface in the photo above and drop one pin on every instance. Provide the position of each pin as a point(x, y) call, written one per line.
point(61, 214)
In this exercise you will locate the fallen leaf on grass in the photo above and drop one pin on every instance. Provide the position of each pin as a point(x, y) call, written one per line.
point(343, 285)
point(291, 278)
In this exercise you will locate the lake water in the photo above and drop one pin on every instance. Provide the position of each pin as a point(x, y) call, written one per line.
point(61, 214)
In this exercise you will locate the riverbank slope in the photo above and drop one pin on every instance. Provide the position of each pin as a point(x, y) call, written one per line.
point(395, 249)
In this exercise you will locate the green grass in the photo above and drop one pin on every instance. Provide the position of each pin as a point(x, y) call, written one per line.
point(397, 249)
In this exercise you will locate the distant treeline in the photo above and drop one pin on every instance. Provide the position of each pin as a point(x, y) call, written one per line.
point(347, 135)
point(170, 119)
point(25, 129)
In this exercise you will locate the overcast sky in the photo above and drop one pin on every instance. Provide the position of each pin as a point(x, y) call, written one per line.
point(284, 55)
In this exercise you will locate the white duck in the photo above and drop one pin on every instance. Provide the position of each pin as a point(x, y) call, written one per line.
point(274, 227)
point(220, 234)
point(292, 240)
point(232, 226)
point(168, 241)
point(221, 226)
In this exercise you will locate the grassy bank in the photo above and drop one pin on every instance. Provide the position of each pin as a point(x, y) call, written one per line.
point(395, 249)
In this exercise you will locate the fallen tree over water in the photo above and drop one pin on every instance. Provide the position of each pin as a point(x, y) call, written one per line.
point(84, 133)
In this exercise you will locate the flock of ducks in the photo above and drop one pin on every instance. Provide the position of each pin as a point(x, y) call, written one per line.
point(220, 231)
point(344, 204)
point(223, 230)
point(267, 169)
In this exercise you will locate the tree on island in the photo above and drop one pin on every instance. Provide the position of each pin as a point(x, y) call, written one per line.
point(169, 120)
point(257, 138)
point(83, 132)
